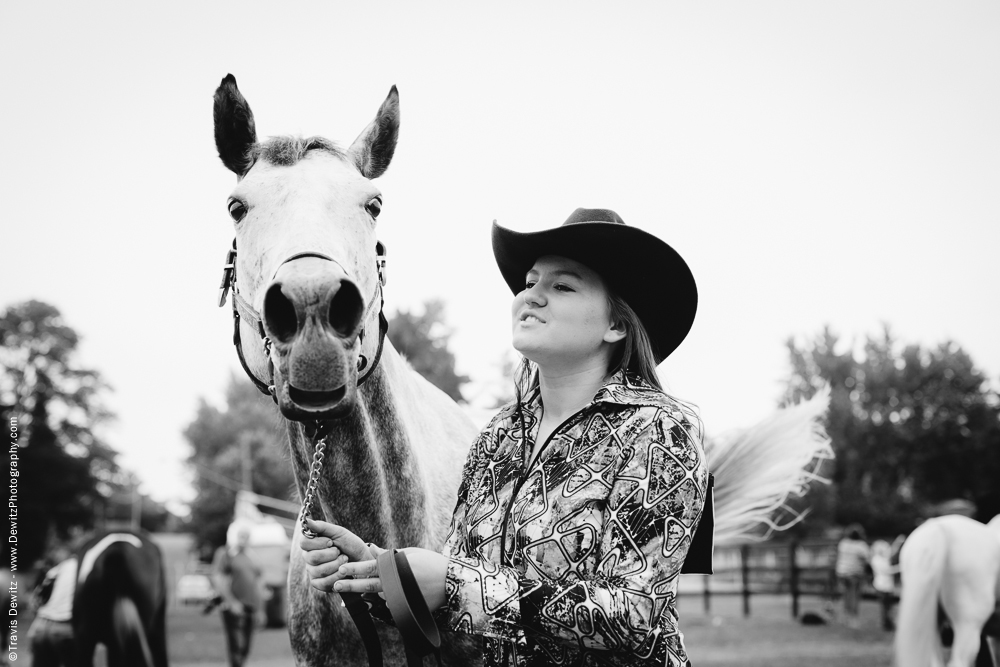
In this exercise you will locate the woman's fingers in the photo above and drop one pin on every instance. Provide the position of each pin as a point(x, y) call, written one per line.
point(325, 584)
point(361, 569)
point(365, 578)
point(330, 534)
point(317, 556)
point(358, 586)
point(325, 568)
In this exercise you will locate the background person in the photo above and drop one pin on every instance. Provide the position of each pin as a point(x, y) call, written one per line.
point(237, 578)
point(884, 580)
point(51, 633)
point(852, 562)
point(589, 487)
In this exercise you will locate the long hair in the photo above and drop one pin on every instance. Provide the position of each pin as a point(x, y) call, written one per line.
point(634, 353)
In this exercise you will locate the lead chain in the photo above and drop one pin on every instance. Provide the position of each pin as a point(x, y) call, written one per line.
point(314, 472)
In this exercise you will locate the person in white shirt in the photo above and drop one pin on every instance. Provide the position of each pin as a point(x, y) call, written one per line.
point(883, 580)
point(852, 560)
point(51, 633)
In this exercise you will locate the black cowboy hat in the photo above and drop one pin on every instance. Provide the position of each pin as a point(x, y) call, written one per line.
point(643, 270)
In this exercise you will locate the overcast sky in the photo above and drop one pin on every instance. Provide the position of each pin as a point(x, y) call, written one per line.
point(815, 163)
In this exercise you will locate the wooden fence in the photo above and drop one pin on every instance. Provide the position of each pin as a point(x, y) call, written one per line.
point(796, 569)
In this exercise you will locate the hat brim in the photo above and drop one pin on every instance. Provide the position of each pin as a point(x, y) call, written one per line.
point(651, 277)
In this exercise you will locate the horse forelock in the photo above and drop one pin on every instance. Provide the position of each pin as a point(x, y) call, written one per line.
point(285, 151)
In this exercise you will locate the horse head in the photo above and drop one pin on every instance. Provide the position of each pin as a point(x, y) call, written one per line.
point(304, 212)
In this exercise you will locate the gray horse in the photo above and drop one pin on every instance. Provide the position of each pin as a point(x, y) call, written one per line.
point(307, 288)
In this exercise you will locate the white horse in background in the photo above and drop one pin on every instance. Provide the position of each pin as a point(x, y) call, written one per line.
point(306, 275)
point(952, 562)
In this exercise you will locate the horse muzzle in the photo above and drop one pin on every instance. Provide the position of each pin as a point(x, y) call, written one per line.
point(313, 314)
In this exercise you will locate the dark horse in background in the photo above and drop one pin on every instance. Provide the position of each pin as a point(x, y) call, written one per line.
point(121, 600)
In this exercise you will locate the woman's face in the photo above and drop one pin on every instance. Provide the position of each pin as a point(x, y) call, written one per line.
point(562, 319)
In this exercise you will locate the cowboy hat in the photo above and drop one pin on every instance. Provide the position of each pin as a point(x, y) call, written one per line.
point(640, 268)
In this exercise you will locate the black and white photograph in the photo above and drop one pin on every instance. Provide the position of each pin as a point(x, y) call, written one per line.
point(560, 333)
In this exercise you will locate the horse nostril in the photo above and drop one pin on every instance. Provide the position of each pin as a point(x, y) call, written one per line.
point(279, 314)
point(346, 309)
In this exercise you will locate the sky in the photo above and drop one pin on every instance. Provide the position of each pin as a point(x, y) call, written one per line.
point(816, 164)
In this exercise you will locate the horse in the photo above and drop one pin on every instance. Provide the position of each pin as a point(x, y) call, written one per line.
point(307, 259)
point(950, 563)
point(120, 600)
point(379, 447)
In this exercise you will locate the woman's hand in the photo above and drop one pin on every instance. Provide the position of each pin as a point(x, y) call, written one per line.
point(429, 569)
point(326, 553)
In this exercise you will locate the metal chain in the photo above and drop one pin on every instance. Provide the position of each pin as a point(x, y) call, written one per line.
point(315, 470)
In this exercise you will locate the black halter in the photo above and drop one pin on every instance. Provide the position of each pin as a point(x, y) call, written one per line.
point(406, 604)
point(242, 309)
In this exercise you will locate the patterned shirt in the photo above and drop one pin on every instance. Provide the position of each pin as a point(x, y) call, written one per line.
point(574, 560)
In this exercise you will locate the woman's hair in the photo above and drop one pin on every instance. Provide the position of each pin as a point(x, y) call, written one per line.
point(634, 353)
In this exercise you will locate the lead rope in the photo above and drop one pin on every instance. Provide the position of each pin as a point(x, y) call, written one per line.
point(355, 604)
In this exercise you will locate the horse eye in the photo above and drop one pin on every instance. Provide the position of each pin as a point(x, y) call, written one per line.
point(374, 207)
point(237, 209)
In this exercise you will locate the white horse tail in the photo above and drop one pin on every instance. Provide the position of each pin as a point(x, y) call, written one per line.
point(760, 468)
point(922, 562)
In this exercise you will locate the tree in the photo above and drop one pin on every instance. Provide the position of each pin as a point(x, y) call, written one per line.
point(66, 471)
point(910, 427)
point(250, 425)
point(423, 340)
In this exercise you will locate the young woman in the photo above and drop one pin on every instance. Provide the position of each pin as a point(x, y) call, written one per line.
point(579, 501)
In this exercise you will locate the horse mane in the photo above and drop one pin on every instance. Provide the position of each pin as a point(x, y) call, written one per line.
point(285, 151)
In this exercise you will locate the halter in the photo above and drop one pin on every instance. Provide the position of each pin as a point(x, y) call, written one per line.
point(242, 309)
point(421, 635)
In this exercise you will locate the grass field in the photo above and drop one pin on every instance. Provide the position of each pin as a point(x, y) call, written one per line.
point(722, 638)
point(770, 637)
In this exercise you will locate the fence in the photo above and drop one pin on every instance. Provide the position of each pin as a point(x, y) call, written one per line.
point(796, 569)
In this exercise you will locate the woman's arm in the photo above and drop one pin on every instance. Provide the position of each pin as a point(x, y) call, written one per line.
point(337, 560)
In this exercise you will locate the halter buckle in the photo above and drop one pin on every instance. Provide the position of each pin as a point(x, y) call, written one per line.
point(380, 253)
point(228, 274)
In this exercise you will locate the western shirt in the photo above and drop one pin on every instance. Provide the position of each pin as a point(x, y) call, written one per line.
point(573, 558)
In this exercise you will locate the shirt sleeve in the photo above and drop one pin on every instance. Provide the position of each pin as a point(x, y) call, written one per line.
point(450, 615)
point(652, 512)
point(377, 607)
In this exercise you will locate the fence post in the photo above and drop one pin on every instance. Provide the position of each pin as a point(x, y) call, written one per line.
point(745, 571)
point(794, 577)
point(707, 595)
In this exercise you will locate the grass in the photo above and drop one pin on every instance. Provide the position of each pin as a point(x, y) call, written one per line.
point(770, 637)
point(722, 638)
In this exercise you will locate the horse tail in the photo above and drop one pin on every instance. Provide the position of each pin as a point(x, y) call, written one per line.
point(922, 562)
point(759, 470)
point(129, 634)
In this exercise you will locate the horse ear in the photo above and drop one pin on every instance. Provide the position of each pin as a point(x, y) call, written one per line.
point(372, 150)
point(234, 127)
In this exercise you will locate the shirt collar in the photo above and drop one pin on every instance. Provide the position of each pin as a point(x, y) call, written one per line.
point(622, 388)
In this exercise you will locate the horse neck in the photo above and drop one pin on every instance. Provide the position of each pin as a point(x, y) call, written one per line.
point(371, 482)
